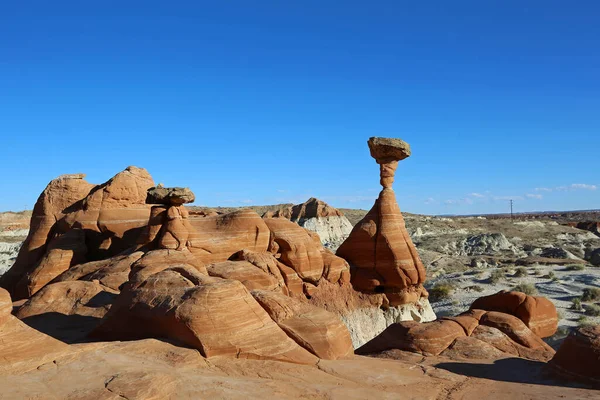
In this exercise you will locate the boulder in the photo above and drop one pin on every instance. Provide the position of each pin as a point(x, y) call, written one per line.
point(173, 196)
point(429, 338)
point(319, 331)
point(578, 357)
point(538, 313)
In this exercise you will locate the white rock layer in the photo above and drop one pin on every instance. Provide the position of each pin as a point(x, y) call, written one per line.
point(366, 323)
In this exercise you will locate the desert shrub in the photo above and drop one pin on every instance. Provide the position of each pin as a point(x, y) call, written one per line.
point(592, 310)
point(521, 272)
point(537, 272)
point(550, 275)
point(590, 294)
point(576, 304)
point(575, 267)
point(583, 321)
point(525, 288)
point(440, 291)
point(496, 276)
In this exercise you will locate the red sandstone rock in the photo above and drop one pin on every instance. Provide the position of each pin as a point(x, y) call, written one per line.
point(538, 313)
point(217, 238)
point(313, 208)
point(247, 273)
point(216, 316)
point(297, 248)
point(427, 338)
point(51, 206)
point(112, 215)
point(112, 272)
point(62, 252)
point(319, 331)
point(6, 306)
point(579, 355)
point(503, 332)
point(379, 247)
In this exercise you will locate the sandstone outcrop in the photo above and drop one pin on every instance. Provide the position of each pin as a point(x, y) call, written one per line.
point(315, 329)
point(538, 313)
point(317, 216)
point(296, 247)
point(578, 356)
point(6, 306)
point(217, 238)
point(74, 221)
point(379, 249)
point(216, 316)
point(467, 336)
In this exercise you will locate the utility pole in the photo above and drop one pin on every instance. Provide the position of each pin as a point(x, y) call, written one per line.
point(511, 209)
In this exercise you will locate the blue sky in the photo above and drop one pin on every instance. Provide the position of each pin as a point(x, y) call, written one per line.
point(273, 101)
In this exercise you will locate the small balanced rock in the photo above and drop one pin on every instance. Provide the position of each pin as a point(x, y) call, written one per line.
point(387, 152)
point(174, 196)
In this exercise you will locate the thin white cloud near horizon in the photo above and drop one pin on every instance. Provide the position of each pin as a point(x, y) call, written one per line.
point(573, 186)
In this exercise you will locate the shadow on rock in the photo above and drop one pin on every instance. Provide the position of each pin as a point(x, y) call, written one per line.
point(515, 370)
point(66, 328)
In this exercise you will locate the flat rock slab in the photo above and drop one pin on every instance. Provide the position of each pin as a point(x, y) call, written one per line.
point(386, 150)
point(170, 196)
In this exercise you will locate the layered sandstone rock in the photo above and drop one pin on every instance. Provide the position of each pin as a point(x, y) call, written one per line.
point(317, 216)
point(296, 248)
point(217, 238)
point(52, 205)
point(216, 316)
point(379, 248)
point(538, 313)
point(74, 221)
point(468, 335)
point(579, 355)
point(315, 329)
point(112, 272)
point(6, 306)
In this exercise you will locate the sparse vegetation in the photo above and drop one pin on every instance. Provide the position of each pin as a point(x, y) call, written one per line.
point(592, 310)
point(496, 276)
point(590, 294)
point(583, 321)
point(576, 304)
point(521, 272)
point(550, 275)
point(575, 267)
point(440, 291)
point(526, 288)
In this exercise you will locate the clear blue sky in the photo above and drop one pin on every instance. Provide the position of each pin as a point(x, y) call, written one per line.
point(264, 102)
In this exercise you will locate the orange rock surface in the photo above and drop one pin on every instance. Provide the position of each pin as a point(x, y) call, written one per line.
point(538, 313)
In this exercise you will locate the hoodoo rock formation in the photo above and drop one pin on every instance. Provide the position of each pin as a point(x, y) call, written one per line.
point(379, 249)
